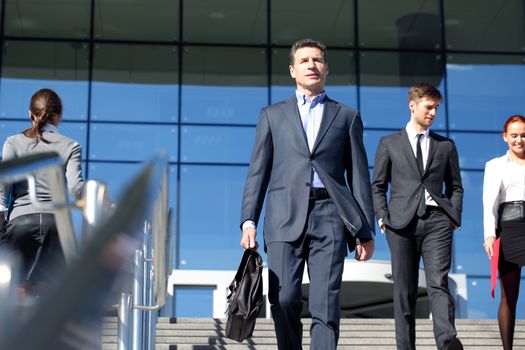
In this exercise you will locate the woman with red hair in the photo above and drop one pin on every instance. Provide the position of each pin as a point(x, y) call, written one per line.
point(504, 218)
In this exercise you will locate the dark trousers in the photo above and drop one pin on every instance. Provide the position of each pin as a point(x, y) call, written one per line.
point(323, 246)
point(35, 238)
point(429, 237)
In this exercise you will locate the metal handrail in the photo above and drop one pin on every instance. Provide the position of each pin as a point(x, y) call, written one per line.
point(49, 165)
point(106, 226)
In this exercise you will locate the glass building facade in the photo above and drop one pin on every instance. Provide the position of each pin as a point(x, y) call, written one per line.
point(190, 77)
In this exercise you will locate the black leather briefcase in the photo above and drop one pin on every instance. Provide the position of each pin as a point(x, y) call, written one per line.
point(245, 297)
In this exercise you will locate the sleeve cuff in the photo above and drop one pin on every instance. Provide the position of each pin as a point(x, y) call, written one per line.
point(247, 224)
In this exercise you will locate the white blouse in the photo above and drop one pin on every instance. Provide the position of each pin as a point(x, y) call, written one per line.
point(504, 181)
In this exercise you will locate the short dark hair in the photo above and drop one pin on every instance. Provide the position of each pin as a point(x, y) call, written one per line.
point(422, 90)
point(299, 44)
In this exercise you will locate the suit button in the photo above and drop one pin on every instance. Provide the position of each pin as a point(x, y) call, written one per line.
point(308, 184)
point(417, 197)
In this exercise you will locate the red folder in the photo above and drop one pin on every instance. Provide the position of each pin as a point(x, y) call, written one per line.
point(494, 266)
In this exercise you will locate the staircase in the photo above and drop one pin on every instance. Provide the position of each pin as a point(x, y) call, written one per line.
point(208, 333)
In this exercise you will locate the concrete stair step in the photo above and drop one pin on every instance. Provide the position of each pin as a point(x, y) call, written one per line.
point(374, 334)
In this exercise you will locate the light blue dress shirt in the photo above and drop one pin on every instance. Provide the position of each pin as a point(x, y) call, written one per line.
point(311, 112)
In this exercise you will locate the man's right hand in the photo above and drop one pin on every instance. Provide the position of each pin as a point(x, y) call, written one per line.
point(248, 238)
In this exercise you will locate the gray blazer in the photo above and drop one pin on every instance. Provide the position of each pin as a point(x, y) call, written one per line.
point(396, 164)
point(68, 149)
point(281, 165)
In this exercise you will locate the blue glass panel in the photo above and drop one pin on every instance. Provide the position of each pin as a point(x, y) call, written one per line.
point(469, 256)
point(480, 303)
point(134, 102)
point(8, 128)
point(222, 104)
point(132, 142)
point(217, 144)
point(117, 177)
point(223, 85)
point(78, 132)
point(475, 150)
point(386, 78)
point(483, 91)
point(193, 302)
point(60, 66)
point(209, 217)
point(135, 83)
point(371, 140)
point(15, 95)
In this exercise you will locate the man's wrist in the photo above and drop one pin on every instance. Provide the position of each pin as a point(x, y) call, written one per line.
point(248, 224)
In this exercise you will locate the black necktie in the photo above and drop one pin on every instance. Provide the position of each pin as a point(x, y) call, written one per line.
point(419, 154)
point(421, 209)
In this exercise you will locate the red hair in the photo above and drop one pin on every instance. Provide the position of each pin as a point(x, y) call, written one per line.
point(513, 119)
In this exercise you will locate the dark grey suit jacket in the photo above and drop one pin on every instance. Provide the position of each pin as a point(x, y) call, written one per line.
point(396, 164)
point(281, 165)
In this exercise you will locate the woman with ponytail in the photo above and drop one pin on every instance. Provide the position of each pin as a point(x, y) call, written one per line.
point(29, 232)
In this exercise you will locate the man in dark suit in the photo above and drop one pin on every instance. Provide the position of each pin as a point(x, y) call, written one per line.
point(419, 217)
point(309, 163)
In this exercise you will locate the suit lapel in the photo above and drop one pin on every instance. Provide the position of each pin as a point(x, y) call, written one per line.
point(291, 113)
point(407, 150)
point(432, 146)
point(329, 113)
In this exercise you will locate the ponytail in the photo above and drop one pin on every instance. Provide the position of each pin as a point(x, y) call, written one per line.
point(45, 107)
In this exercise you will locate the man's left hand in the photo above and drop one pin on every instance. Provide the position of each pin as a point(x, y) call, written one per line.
point(364, 251)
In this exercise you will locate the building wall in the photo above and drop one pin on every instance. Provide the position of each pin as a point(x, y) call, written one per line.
point(190, 76)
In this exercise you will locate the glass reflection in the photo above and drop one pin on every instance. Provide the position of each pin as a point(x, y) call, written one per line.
point(223, 85)
point(201, 241)
point(135, 83)
point(414, 24)
point(47, 19)
point(385, 80)
point(483, 90)
point(469, 257)
point(293, 19)
point(230, 21)
point(496, 26)
point(60, 66)
point(130, 142)
point(217, 144)
point(371, 140)
point(137, 19)
point(475, 149)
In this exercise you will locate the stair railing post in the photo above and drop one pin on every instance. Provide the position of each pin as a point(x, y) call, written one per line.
point(138, 299)
point(124, 324)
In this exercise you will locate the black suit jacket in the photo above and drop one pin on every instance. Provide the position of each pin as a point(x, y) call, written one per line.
point(395, 165)
point(281, 165)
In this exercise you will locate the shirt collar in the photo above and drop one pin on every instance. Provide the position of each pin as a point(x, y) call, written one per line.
point(412, 133)
point(302, 99)
point(50, 127)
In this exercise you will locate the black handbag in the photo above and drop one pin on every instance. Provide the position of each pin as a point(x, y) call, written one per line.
point(246, 297)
